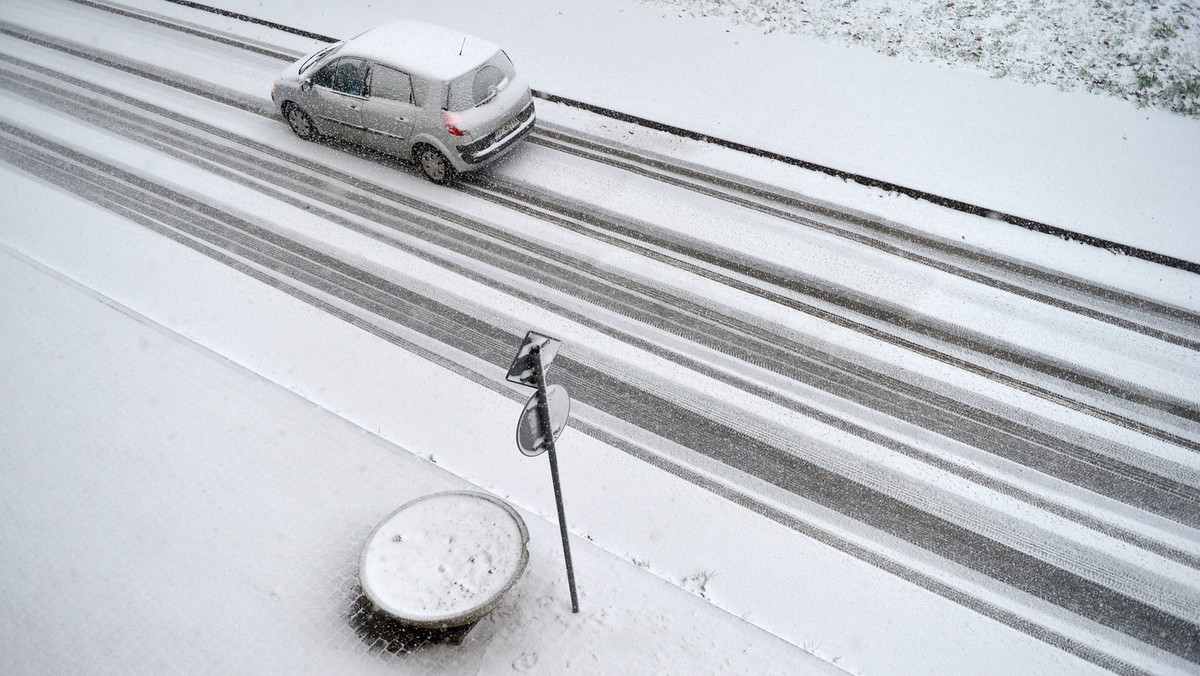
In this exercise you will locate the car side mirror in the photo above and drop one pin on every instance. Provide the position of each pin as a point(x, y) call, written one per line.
point(305, 85)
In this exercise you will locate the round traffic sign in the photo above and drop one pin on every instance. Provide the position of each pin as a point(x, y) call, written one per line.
point(530, 439)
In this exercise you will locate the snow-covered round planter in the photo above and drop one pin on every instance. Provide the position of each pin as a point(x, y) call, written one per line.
point(444, 560)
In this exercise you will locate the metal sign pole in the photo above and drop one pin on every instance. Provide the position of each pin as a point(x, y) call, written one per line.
point(548, 435)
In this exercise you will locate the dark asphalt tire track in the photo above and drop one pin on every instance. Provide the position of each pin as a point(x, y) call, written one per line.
point(1050, 287)
point(947, 415)
point(1120, 393)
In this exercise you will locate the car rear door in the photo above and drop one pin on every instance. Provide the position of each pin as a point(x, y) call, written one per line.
point(389, 111)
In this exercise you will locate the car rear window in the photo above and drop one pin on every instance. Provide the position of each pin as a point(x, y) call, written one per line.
point(477, 86)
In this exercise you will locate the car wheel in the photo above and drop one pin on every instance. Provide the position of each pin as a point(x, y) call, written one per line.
point(434, 165)
point(300, 123)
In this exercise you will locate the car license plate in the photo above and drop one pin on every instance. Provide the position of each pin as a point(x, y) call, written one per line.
point(506, 128)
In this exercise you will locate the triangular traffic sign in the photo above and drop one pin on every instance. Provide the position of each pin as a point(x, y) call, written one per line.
point(521, 371)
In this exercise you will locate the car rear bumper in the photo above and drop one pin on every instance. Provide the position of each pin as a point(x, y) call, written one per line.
point(487, 149)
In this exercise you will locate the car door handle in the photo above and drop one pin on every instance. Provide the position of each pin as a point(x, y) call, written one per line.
point(353, 107)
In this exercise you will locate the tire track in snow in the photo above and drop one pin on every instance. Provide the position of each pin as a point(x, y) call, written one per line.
point(1110, 305)
point(1174, 325)
point(897, 317)
point(796, 290)
point(841, 377)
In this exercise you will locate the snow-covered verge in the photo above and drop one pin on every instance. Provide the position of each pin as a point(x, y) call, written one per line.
point(163, 510)
point(1145, 52)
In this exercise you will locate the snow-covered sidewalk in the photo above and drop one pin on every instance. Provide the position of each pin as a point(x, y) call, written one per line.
point(167, 511)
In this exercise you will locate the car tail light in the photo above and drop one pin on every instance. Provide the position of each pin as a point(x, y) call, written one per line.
point(452, 121)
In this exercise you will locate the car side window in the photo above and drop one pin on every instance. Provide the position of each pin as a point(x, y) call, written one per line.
point(324, 77)
point(344, 75)
point(389, 83)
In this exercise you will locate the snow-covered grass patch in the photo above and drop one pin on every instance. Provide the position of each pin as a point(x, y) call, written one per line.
point(1140, 51)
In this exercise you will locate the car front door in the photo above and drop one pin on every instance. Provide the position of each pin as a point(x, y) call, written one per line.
point(337, 97)
point(389, 111)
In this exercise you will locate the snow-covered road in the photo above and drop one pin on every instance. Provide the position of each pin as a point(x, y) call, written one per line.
point(1018, 439)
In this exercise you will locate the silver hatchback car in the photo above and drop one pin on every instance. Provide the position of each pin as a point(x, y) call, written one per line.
point(446, 100)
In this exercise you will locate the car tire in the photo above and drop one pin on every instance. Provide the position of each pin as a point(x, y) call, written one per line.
point(434, 165)
point(300, 122)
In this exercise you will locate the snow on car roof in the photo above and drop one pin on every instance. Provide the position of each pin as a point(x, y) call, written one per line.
point(422, 48)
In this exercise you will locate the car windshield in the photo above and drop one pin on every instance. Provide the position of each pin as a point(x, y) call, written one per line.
point(478, 86)
point(312, 60)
